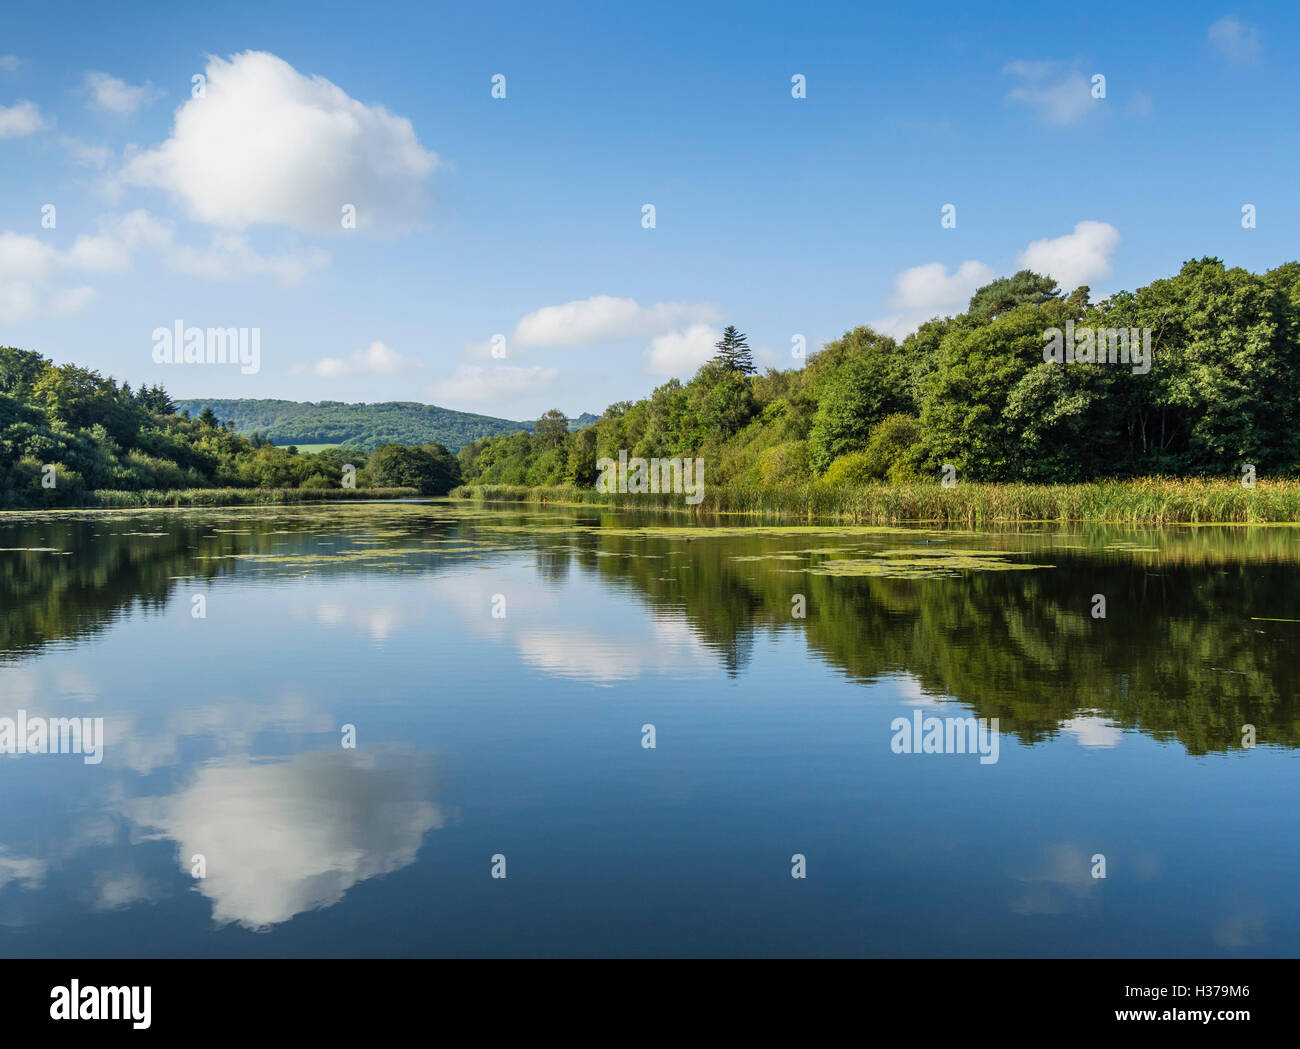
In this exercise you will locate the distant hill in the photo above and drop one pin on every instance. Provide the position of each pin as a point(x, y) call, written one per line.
point(364, 426)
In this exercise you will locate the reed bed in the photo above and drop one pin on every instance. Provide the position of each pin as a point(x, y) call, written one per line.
point(1149, 501)
point(108, 499)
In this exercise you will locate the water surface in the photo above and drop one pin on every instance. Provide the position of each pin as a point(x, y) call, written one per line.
point(520, 734)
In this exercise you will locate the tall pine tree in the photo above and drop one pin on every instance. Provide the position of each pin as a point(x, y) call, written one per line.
point(733, 351)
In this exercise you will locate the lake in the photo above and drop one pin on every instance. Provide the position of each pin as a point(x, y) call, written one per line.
point(326, 729)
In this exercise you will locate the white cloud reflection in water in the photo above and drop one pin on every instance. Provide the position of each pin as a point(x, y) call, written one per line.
point(294, 835)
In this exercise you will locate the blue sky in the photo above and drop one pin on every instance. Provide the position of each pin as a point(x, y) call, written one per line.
point(522, 216)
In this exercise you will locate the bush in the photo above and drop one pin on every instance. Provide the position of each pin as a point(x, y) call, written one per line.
point(784, 464)
point(853, 468)
point(892, 439)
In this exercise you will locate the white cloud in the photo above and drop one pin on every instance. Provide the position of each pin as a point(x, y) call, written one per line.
point(472, 382)
point(1074, 258)
point(25, 263)
point(375, 359)
point(17, 301)
point(1060, 96)
point(28, 264)
point(931, 288)
point(681, 352)
point(22, 256)
point(108, 94)
point(604, 317)
point(231, 256)
point(111, 249)
point(927, 291)
point(269, 145)
point(1236, 40)
point(10, 63)
point(22, 118)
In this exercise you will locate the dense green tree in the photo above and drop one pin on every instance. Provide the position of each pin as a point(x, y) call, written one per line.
point(721, 399)
point(432, 469)
point(582, 458)
point(551, 428)
point(1006, 293)
point(871, 382)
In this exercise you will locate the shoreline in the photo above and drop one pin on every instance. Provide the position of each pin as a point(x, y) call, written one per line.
point(112, 499)
point(1146, 501)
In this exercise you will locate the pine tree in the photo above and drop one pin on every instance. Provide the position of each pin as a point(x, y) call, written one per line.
point(733, 351)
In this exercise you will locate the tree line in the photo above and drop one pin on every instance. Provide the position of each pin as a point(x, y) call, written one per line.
point(974, 391)
point(67, 430)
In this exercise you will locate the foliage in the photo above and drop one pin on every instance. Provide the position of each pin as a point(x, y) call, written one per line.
point(974, 392)
point(70, 437)
point(363, 426)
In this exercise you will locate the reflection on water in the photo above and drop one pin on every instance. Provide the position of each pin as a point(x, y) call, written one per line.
point(498, 666)
point(279, 838)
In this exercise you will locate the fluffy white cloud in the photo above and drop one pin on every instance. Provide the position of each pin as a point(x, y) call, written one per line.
point(932, 288)
point(111, 249)
point(269, 145)
point(108, 94)
point(1074, 258)
point(231, 256)
point(1237, 41)
point(22, 118)
point(929, 291)
point(26, 264)
point(473, 382)
point(375, 359)
point(1059, 95)
point(22, 256)
point(681, 352)
point(603, 317)
point(29, 264)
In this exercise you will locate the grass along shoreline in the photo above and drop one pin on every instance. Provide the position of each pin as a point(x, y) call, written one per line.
point(111, 499)
point(1154, 500)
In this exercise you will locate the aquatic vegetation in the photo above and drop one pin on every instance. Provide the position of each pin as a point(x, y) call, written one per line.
point(1152, 500)
point(926, 567)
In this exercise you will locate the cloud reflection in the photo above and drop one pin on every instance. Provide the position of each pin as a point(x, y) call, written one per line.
point(295, 835)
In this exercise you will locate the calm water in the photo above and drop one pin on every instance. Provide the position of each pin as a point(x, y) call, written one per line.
point(521, 735)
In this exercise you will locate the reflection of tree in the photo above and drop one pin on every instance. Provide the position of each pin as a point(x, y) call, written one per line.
point(98, 569)
point(1176, 657)
point(49, 595)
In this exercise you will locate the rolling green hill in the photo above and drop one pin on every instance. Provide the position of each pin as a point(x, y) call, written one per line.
point(363, 426)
